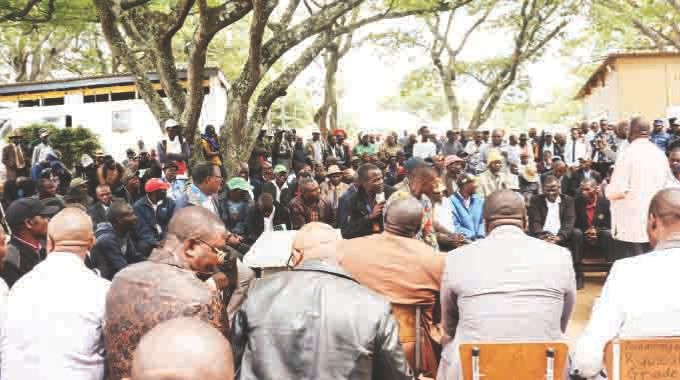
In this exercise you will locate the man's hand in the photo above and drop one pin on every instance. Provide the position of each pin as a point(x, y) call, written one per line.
point(234, 240)
point(219, 281)
point(459, 240)
point(591, 234)
point(377, 211)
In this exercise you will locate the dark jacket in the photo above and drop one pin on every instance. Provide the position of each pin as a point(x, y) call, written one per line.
point(344, 208)
point(358, 224)
point(286, 196)
point(255, 221)
point(98, 214)
point(602, 220)
point(107, 255)
point(148, 218)
point(19, 260)
point(538, 211)
point(297, 334)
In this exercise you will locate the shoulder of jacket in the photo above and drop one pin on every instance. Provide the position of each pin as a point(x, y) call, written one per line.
point(13, 255)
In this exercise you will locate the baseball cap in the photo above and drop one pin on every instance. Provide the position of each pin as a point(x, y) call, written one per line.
point(658, 122)
point(170, 123)
point(280, 169)
point(238, 183)
point(464, 179)
point(416, 163)
point(26, 208)
point(155, 184)
point(44, 132)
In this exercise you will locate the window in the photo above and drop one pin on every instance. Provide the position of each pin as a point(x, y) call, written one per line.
point(96, 98)
point(53, 102)
point(29, 103)
point(122, 96)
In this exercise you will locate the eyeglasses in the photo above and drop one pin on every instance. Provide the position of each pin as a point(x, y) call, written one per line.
point(221, 254)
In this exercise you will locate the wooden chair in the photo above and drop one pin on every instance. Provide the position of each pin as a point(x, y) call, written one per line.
point(643, 358)
point(514, 361)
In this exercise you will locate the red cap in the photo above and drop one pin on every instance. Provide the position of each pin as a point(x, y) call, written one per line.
point(155, 184)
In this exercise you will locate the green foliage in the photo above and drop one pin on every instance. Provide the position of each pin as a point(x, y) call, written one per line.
point(71, 142)
point(293, 110)
point(420, 94)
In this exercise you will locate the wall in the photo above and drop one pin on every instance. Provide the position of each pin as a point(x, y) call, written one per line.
point(99, 117)
point(646, 86)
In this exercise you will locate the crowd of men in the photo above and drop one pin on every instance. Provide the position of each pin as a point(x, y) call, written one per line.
point(405, 248)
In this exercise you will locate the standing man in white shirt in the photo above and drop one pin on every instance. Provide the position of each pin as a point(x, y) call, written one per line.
point(576, 149)
point(425, 148)
point(55, 312)
point(640, 173)
point(637, 300)
point(40, 151)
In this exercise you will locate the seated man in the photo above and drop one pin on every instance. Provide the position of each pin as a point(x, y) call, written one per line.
point(467, 208)
point(367, 204)
point(99, 211)
point(638, 298)
point(402, 269)
point(265, 215)
point(115, 248)
point(526, 293)
point(153, 215)
point(167, 286)
point(317, 320)
point(552, 218)
point(309, 207)
point(593, 219)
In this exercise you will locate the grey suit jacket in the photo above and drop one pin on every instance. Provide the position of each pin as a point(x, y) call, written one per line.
point(507, 287)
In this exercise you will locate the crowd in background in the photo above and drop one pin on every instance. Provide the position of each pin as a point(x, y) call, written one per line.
point(161, 238)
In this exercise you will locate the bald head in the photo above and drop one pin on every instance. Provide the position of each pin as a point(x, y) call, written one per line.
point(183, 349)
point(316, 241)
point(504, 207)
point(664, 216)
point(639, 128)
point(404, 216)
point(194, 221)
point(70, 230)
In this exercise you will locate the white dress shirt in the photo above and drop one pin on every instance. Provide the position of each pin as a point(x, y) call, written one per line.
point(639, 174)
point(552, 220)
point(424, 150)
point(574, 150)
point(54, 321)
point(269, 222)
point(638, 300)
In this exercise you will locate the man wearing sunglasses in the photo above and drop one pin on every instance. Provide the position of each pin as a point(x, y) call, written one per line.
point(169, 285)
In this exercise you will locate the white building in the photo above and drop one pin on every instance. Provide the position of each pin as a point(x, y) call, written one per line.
point(108, 105)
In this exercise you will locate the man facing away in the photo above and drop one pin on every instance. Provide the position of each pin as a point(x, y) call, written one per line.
point(638, 299)
point(527, 292)
point(183, 349)
point(56, 312)
point(640, 173)
point(402, 269)
point(167, 286)
point(316, 321)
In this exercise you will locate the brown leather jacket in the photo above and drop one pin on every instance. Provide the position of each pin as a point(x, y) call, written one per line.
point(146, 294)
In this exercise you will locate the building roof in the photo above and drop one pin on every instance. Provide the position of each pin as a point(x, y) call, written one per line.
point(84, 82)
point(610, 59)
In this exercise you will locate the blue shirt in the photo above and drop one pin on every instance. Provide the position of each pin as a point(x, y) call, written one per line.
point(660, 140)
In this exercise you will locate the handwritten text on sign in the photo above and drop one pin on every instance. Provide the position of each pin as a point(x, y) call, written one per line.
point(642, 360)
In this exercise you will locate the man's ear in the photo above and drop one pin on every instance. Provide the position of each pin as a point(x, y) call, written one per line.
point(189, 247)
point(91, 243)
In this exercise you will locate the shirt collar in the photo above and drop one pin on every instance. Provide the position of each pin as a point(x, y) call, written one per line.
point(35, 247)
point(557, 201)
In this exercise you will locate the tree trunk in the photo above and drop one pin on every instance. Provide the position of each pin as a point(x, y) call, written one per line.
point(327, 115)
point(448, 77)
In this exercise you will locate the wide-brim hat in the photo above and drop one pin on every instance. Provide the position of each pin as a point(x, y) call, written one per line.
point(44, 132)
point(530, 173)
point(77, 182)
point(15, 133)
point(452, 159)
point(333, 169)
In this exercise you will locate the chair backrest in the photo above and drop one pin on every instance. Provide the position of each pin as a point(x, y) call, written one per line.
point(643, 358)
point(514, 361)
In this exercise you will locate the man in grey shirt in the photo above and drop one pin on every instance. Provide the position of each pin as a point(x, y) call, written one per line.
point(527, 292)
